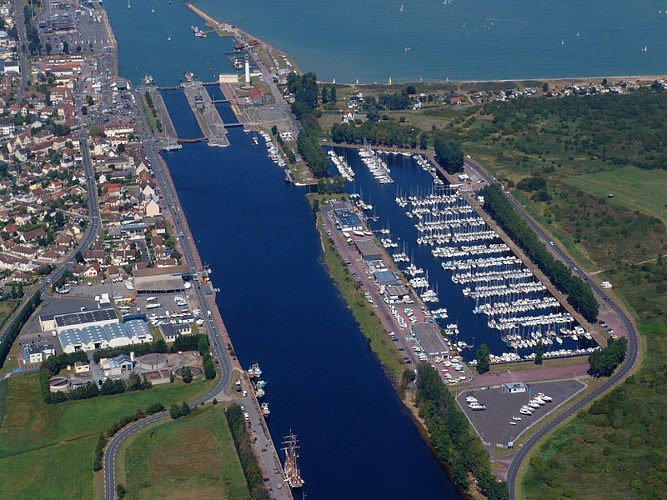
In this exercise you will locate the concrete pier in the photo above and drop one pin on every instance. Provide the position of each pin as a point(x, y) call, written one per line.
point(207, 116)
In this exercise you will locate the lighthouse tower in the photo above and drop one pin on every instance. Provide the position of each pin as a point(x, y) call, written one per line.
point(247, 73)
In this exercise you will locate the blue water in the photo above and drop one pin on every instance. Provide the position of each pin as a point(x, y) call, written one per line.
point(145, 48)
point(224, 109)
point(282, 310)
point(349, 40)
point(177, 104)
point(463, 40)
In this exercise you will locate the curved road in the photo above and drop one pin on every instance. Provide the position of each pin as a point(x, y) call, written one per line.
point(225, 373)
point(603, 299)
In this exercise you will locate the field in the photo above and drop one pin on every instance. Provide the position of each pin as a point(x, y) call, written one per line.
point(633, 188)
point(46, 451)
point(192, 457)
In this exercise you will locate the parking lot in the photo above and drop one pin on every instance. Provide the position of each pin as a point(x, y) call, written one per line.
point(495, 424)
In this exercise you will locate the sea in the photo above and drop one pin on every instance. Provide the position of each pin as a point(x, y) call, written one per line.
point(406, 40)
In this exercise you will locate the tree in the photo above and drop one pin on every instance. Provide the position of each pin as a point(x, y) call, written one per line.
point(483, 354)
point(49, 48)
point(604, 362)
point(120, 490)
point(539, 353)
point(133, 382)
point(186, 373)
point(325, 95)
point(423, 141)
point(209, 368)
point(332, 94)
point(175, 411)
point(120, 149)
point(274, 130)
point(545, 87)
point(185, 409)
point(449, 155)
point(410, 89)
point(65, 47)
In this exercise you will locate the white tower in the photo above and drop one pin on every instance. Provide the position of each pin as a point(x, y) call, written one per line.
point(247, 71)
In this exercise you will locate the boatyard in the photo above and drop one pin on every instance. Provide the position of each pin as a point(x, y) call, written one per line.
point(502, 413)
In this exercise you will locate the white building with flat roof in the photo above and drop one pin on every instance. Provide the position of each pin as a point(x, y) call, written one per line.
point(90, 338)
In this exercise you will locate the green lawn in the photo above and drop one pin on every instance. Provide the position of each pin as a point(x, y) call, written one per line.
point(64, 435)
point(633, 188)
point(192, 457)
point(60, 471)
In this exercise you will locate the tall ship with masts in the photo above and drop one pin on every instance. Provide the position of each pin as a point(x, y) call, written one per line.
point(291, 468)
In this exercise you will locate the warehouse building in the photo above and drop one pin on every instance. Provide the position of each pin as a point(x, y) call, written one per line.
point(94, 337)
point(430, 339)
point(95, 317)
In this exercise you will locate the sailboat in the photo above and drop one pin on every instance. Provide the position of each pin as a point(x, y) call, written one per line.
point(291, 468)
point(128, 4)
point(401, 7)
point(645, 49)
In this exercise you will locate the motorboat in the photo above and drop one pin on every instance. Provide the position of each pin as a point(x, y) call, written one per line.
point(471, 399)
point(544, 397)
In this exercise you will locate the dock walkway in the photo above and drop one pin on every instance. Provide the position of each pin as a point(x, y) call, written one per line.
point(207, 115)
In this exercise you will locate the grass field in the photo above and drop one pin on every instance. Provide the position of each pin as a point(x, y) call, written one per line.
point(192, 457)
point(56, 442)
point(633, 188)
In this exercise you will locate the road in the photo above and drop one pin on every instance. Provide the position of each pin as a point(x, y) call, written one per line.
point(604, 300)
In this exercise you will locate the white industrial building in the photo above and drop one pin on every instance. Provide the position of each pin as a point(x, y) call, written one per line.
point(94, 337)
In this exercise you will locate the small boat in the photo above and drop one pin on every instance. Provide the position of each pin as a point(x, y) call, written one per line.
point(512, 423)
point(471, 399)
point(477, 407)
point(265, 409)
point(544, 397)
point(255, 369)
point(516, 418)
point(259, 392)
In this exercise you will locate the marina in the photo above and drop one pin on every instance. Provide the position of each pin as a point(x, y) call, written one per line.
point(453, 251)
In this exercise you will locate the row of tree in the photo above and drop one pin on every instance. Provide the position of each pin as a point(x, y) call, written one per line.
point(241, 437)
point(118, 425)
point(580, 295)
point(448, 154)
point(605, 361)
point(309, 148)
point(453, 437)
point(306, 93)
point(15, 326)
point(382, 133)
point(178, 411)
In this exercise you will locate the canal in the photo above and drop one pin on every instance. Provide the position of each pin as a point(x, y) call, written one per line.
point(282, 311)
